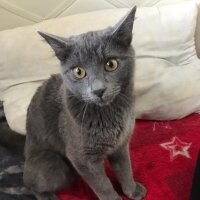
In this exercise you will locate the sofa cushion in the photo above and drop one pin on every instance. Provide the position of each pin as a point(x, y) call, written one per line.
point(167, 68)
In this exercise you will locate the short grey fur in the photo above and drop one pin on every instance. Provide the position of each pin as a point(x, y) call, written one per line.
point(74, 124)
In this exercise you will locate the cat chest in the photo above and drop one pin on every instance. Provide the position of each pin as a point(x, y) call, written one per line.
point(103, 138)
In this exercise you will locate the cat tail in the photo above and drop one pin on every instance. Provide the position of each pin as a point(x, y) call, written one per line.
point(13, 141)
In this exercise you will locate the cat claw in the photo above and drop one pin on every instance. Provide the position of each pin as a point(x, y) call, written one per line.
point(140, 192)
point(118, 198)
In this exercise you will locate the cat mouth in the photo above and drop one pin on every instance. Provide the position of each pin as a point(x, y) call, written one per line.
point(100, 101)
point(103, 102)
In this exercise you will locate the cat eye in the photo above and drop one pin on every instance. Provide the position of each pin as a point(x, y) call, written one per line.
point(111, 65)
point(79, 72)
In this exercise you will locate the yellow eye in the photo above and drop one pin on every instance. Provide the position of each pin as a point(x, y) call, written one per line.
point(79, 72)
point(111, 65)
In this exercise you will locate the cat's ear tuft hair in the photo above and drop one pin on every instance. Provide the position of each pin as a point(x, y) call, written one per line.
point(58, 44)
point(122, 33)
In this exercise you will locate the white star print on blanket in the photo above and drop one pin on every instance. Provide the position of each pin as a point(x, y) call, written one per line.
point(177, 147)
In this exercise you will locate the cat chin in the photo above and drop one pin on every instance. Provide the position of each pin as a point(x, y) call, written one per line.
point(102, 102)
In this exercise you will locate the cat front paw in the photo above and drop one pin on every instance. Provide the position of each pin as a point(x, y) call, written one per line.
point(118, 198)
point(136, 193)
point(113, 198)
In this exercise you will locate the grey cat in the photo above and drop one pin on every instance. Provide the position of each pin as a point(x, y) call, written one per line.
point(84, 115)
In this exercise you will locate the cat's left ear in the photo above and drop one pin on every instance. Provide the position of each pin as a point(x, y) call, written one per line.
point(122, 33)
point(58, 44)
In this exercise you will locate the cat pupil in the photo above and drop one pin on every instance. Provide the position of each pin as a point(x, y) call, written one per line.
point(78, 71)
point(110, 64)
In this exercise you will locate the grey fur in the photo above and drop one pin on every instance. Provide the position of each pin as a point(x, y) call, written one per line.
point(71, 130)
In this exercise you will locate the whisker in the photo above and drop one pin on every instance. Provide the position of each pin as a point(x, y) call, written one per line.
point(75, 117)
point(125, 100)
point(80, 101)
point(83, 117)
point(125, 96)
point(114, 92)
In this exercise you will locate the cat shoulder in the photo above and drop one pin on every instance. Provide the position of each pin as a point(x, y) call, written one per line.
point(48, 92)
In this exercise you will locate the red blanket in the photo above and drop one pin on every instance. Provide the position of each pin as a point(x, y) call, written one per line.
point(163, 155)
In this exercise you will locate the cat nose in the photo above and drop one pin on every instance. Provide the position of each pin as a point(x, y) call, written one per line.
point(99, 92)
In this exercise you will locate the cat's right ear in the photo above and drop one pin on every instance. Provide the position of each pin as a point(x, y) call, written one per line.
point(58, 44)
point(122, 31)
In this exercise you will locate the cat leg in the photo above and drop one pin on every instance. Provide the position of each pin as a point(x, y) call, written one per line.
point(93, 173)
point(46, 172)
point(120, 162)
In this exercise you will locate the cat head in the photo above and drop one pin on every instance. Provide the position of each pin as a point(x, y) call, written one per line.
point(97, 66)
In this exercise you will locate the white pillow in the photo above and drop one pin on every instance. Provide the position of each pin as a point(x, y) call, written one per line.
point(167, 68)
point(166, 60)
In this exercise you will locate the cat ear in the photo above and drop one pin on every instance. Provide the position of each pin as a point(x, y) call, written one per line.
point(122, 33)
point(58, 44)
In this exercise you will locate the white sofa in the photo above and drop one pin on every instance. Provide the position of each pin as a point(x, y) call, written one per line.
point(167, 79)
